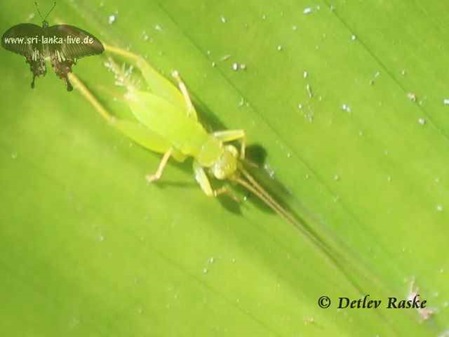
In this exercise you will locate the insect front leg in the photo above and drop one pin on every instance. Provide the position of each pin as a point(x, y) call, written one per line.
point(157, 175)
point(203, 180)
point(232, 135)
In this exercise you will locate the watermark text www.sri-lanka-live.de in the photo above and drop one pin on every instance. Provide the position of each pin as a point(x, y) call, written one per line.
point(42, 39)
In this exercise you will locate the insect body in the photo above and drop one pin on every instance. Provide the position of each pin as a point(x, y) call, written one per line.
point(167, 123)
point(61, 44)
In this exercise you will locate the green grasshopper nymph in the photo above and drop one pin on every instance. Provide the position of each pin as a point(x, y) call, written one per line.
point(167, 123)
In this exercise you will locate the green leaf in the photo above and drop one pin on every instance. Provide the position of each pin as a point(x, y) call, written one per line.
point(348, 101)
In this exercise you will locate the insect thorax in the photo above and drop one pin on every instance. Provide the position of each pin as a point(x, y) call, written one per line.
point(210, 151)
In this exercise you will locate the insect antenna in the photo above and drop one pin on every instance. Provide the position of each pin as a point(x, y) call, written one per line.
point(40, 14)
point(247, 181)
point(254, 187)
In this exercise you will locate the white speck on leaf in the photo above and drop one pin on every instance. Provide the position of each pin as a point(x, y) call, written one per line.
point(112, 18)
point(307, 10)
point(346, 108)
point(238, 66)
point(309, 90)
point(269, 170)
point(376, 75)
point(411, 96)
point(145, 36)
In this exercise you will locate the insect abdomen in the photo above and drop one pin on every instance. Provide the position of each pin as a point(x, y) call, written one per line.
point(171, 123)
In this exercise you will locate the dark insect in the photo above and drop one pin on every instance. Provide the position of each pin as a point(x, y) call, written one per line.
point(61, 44)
